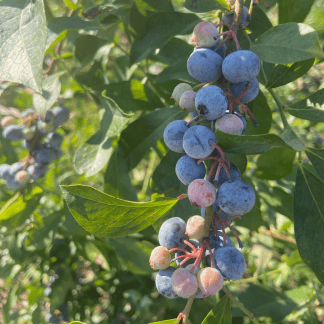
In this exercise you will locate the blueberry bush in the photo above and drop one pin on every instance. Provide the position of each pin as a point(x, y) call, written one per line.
point(161, 161)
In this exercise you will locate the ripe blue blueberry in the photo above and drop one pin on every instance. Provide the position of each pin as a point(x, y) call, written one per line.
point(37, 171)
point(197, 141)
point(53, 140)
point(60, 114)
point(5, 171)
point(218, 242)
point(16, 167)
point(174, 133)
point(235, 198)
point(241, 66)
point(163, 282)
point(172, 233)
point(205, 65)
point(223, 177)
point(238, 88)
point(230, 262)
point(13, 133)
point(211, 102)
point(188, 170)
point(245, 17)
point(13, 184)
point(220, 50)
point(44, 156)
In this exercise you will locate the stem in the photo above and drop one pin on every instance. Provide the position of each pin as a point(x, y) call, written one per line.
point(277, 100)
point(187, 309)
point(240, 306)
point(238, 15)
point(278, 236)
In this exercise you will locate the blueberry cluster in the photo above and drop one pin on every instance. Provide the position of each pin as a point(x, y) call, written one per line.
point(204, 254)
point(37, 135)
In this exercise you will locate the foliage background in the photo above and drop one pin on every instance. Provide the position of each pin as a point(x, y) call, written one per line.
point(116, 73)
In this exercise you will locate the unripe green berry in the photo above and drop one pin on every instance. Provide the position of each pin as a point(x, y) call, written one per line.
point(187, 101)
point(195, 227)
point(179, 90)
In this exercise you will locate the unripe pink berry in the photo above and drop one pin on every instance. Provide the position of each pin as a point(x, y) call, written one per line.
point(195, 227)
point(184, 284)
point(201, 193)
point(179, 90)
point(230, 123)
point(187, 101)
point(160, 258)
point(205, 34)
point(6, 121)
point(210, 281)
point(22, 177)
point(196, 271)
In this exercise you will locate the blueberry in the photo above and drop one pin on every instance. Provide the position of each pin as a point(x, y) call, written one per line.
point(188, 170)
point(196, 141)
point(203, 209)
point(205, 65)
point(238, 88)
point(16, 167)
point(241, 66)
point(172, 232)
point(53, 140)
point(13, 133)
point(28, 112)
point(205, 34)
point(211, 102)
point(230, 262)
point(174, 133)
point(245, 17)
point(60, 114)
point(235, 198)
point(219, 50)
point(187, 101)
point(223, 177)
point(231, 124)
point(179, 90)
point(163, 283)
point(5, 171)
point(218, 242)
point(13, 184)
point(44, 156)
point(37, 171)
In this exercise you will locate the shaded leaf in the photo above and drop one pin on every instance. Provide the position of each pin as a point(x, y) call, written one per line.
point(221, 313)
point(309, 220)
point(239, 160)
point(248, 144)
point(275, 164)
point(51, 88)
point(137, 143)
point(159, 28)
point(284, 74)
point(294, 10)
point(317, 158)
point(293, 140)
point(310, 108)
point(23, 40)
point(94, 154)
point(205, 5)
point(107, 216)
point(288, 43)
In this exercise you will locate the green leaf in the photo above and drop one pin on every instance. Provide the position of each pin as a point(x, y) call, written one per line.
point(309, 220)
point(294, 10)
point(77, 322)
point(262, 301)
point(293, 140)
point(248, 144)
point(171, 321)
point(117, 182)
point(317, 158)
point(35, 294)
point(94, 154)
point(262, 112)
point(134, 254)
point(284, 74)
point(104, 215)
point(176, 71)
point(221, 313)
point(288, 43)
point(239, 160)
point(301, 294)
point(311, 108)
point(10, 302)
point(159, 28)
point(275, 164)
point(205, 5)
point(137, 143)
point(23, 40)
point(58, 29)
point(51, 88)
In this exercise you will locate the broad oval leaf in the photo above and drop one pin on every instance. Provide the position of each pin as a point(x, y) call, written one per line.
point(94, 154)
point(275, 164)
point(290, 137)
point(23, 40)
point(106, 216)
point(317, 158)
point(159, 28)
point(288, 43)
point(51, 88)
point(248, 144)
point(310, 108)
point(284, 74)
point(294, 10)
point(309, 220)
point(221, 313)
point(206, 5)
